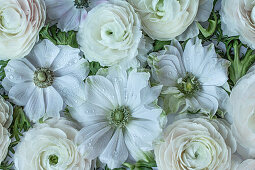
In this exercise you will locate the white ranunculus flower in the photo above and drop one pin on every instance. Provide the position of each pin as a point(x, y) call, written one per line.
point(197, 143)
point(6, 112)
point(248, 164)
point(4, 142)
point(145, 47)
point(192, 78)
point(46, 79)
point(238, 19)
point(50, 146)
point(243, 114)
point(20, 23)
point(235, 161)
point(69, 13)
point(111, 33)
point(168, 19)
point(120, 118)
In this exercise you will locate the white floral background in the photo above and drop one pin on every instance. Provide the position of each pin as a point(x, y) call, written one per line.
point(127, 84)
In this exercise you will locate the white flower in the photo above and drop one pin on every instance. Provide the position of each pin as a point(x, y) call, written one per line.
point(47, 77)
point(235, 161)
point(168, 19)
point(238, 19)
point(197, 143)
point(4, 142)
point(69, 13)
point(50, 146)
point(243, 115)
point(120, 118)
point(6, 112)
point(20, 23)
point(191, 78)
point(145, 46)
point(248, 164)
point(111, 33)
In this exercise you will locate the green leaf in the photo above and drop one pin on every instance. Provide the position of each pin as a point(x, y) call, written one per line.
point(6, 165)
point(240, 64)
point(141, 165)
point(159, 45)
point(211, 28)
point(58, 37)
point(3, 64)
point(94, 67)
point(46, 34)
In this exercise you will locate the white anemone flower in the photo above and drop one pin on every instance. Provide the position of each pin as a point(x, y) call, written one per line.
point(119, 118)
point(69, 13)
point(192, 78)
point(46, 79)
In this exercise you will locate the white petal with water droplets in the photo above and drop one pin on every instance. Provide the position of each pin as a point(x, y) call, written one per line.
point(35, 107)
point(70, 89)
point(115, 153)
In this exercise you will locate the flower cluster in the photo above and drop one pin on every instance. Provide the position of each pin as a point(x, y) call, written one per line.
point(127, 84)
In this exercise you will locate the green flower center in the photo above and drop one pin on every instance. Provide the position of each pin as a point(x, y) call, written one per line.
point(119, 117)
point(43, 77)
point(189, 85)
point(81, 4)
point(53, 159)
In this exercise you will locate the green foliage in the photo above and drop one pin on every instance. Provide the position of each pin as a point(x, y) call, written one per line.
point(6, 165)
point(159, 45)
point(240, 64)
point(141, 165)
point(59, 38)
point(94, 67)
point(211, 28)
point(2, 72)
point(19, 125)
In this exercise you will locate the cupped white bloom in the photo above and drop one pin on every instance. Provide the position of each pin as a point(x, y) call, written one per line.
point(197, 143)
point(68, 14)
point(243, 115)
point(248, 164)
point(120, 118)
point(4, 142)
point(111, 33)
point(238, 19)
point(192, 78)
point(235, 161)
point(50, 146)
point(168, 19)
point(20, 23)
point(6, 112)
point(46, 79)
point(145, 47)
